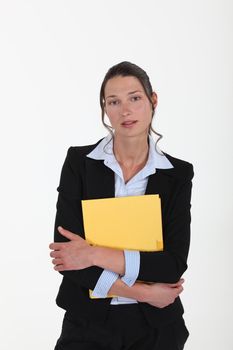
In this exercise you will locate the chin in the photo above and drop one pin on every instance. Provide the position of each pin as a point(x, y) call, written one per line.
point(132, 133)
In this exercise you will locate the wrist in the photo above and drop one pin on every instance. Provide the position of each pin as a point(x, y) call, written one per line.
point(143, 290)
point(94, 255)
point(139, 291)
point(109, 259)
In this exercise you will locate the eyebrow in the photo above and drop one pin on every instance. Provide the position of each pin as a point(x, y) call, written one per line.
point(129, 93)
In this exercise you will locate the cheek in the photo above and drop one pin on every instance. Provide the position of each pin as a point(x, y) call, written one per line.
point(112, 115)
point(146, 111)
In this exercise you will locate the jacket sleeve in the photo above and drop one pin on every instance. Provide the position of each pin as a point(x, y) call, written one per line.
point(169, 265)
point(69, 215)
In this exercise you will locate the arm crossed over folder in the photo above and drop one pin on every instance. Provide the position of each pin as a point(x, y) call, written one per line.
point(132, 222)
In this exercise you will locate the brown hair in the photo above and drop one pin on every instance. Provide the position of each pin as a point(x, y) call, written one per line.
point(128, 69)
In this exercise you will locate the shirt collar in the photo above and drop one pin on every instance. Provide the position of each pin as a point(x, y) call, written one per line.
point(104, 151)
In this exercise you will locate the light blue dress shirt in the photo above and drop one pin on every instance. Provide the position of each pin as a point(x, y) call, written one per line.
point(136, 186)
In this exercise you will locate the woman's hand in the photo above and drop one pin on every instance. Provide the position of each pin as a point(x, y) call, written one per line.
point(163, 294)
point(78, 254)
point(73, 255)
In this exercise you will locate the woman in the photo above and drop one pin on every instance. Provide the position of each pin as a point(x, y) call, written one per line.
point(125, 163)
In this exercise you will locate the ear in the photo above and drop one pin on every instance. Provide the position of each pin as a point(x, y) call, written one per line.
point(154, 99)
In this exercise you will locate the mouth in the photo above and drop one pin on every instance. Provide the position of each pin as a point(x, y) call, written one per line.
point(128, 123)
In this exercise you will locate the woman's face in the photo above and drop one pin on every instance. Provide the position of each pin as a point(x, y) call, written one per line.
point(127, 106)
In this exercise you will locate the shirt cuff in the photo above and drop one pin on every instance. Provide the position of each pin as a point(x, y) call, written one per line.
point(132, 264)
point(104, 283)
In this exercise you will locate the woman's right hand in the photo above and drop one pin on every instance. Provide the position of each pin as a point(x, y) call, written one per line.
point(163, 294)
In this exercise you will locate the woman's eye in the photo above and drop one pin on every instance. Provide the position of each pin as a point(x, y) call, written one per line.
point(136, 98)
point(113, 102)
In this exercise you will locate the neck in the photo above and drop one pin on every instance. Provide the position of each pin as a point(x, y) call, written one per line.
point(131, 151)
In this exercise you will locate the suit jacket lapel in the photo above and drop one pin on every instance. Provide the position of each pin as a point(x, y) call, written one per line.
point(158, 183)
point(100, 180)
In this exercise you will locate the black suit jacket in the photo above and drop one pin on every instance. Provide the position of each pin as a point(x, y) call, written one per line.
point(86, 178)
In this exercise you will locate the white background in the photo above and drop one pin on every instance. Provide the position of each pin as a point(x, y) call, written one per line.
point(54, 55)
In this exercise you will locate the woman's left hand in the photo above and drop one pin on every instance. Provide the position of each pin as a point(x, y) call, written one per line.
point(73, 255)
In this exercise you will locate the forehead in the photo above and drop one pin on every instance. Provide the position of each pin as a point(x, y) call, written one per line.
point(122, 85)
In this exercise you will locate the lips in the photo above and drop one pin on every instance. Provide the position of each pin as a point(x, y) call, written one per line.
point(129, 122)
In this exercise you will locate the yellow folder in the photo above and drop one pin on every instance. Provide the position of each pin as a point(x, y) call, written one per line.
point(132, 222)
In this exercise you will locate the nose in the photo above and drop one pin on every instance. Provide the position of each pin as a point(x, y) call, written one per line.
point(125, 109)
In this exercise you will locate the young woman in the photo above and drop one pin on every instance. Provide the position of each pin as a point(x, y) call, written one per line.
point(127, 162)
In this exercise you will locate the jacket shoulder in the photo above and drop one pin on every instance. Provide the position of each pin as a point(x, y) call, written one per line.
point(181, 168)
point(82, 150)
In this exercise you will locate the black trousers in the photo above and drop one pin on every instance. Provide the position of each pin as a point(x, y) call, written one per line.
point(125, 329)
